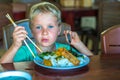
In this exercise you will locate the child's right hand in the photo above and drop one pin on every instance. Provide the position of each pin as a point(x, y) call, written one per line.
point(19, 34)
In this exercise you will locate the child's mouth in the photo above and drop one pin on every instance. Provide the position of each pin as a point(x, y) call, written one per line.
point(44, 40)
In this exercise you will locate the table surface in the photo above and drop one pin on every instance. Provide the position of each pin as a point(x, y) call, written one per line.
point(99, 68)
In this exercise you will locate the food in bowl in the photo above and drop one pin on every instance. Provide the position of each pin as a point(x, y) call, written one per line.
point(60, 58)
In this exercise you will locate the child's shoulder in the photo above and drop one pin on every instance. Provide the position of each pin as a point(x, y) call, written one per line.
point(61, 45)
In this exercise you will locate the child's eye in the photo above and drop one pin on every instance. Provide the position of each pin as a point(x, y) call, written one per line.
point(50, 26)
point(38, 27)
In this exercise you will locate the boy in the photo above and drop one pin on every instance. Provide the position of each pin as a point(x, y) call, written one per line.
point(45, 19)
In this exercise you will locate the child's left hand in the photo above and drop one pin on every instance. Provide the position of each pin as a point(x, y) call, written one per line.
point(74, 37)
point(77, 43)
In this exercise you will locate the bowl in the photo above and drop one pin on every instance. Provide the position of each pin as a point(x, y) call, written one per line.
point(15, 75)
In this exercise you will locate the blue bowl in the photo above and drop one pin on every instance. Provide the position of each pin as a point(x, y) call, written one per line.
point(15, 75)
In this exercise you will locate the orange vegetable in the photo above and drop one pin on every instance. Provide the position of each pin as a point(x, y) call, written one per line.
point(47, 62)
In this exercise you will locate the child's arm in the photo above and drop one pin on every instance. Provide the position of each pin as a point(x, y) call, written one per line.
point(82, 48)
point(78, 44)
point(19, 35)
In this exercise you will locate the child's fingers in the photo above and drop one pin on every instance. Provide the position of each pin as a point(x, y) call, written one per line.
point(20, 30)
point(19, 35)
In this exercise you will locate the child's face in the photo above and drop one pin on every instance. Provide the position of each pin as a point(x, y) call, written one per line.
point(45, 29)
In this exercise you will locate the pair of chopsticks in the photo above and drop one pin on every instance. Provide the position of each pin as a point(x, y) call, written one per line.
point(8, 16)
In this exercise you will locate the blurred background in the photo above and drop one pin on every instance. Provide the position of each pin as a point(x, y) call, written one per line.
point(87, 17)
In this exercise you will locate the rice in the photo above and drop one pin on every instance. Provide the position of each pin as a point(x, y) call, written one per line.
point(60, 62)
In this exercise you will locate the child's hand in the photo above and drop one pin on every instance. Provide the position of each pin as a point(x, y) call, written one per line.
point(77, 43)
point(19, 35)
point(74, 37)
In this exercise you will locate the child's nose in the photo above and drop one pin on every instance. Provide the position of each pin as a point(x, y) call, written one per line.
point(44, 32)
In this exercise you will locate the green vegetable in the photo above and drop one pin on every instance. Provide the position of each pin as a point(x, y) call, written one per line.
point(45, 54)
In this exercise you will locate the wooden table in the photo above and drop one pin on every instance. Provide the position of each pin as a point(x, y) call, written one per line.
point(99, 68)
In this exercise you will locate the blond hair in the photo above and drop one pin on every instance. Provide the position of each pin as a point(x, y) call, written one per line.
point(44, 7)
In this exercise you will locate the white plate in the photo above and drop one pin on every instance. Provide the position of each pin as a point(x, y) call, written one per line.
point(15, 75)
point(83, 62)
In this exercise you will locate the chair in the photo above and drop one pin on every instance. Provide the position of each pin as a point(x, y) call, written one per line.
point(108, 15)
point(110, 40)
point(8, 30)
point(61, 38)
point(4, 9)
